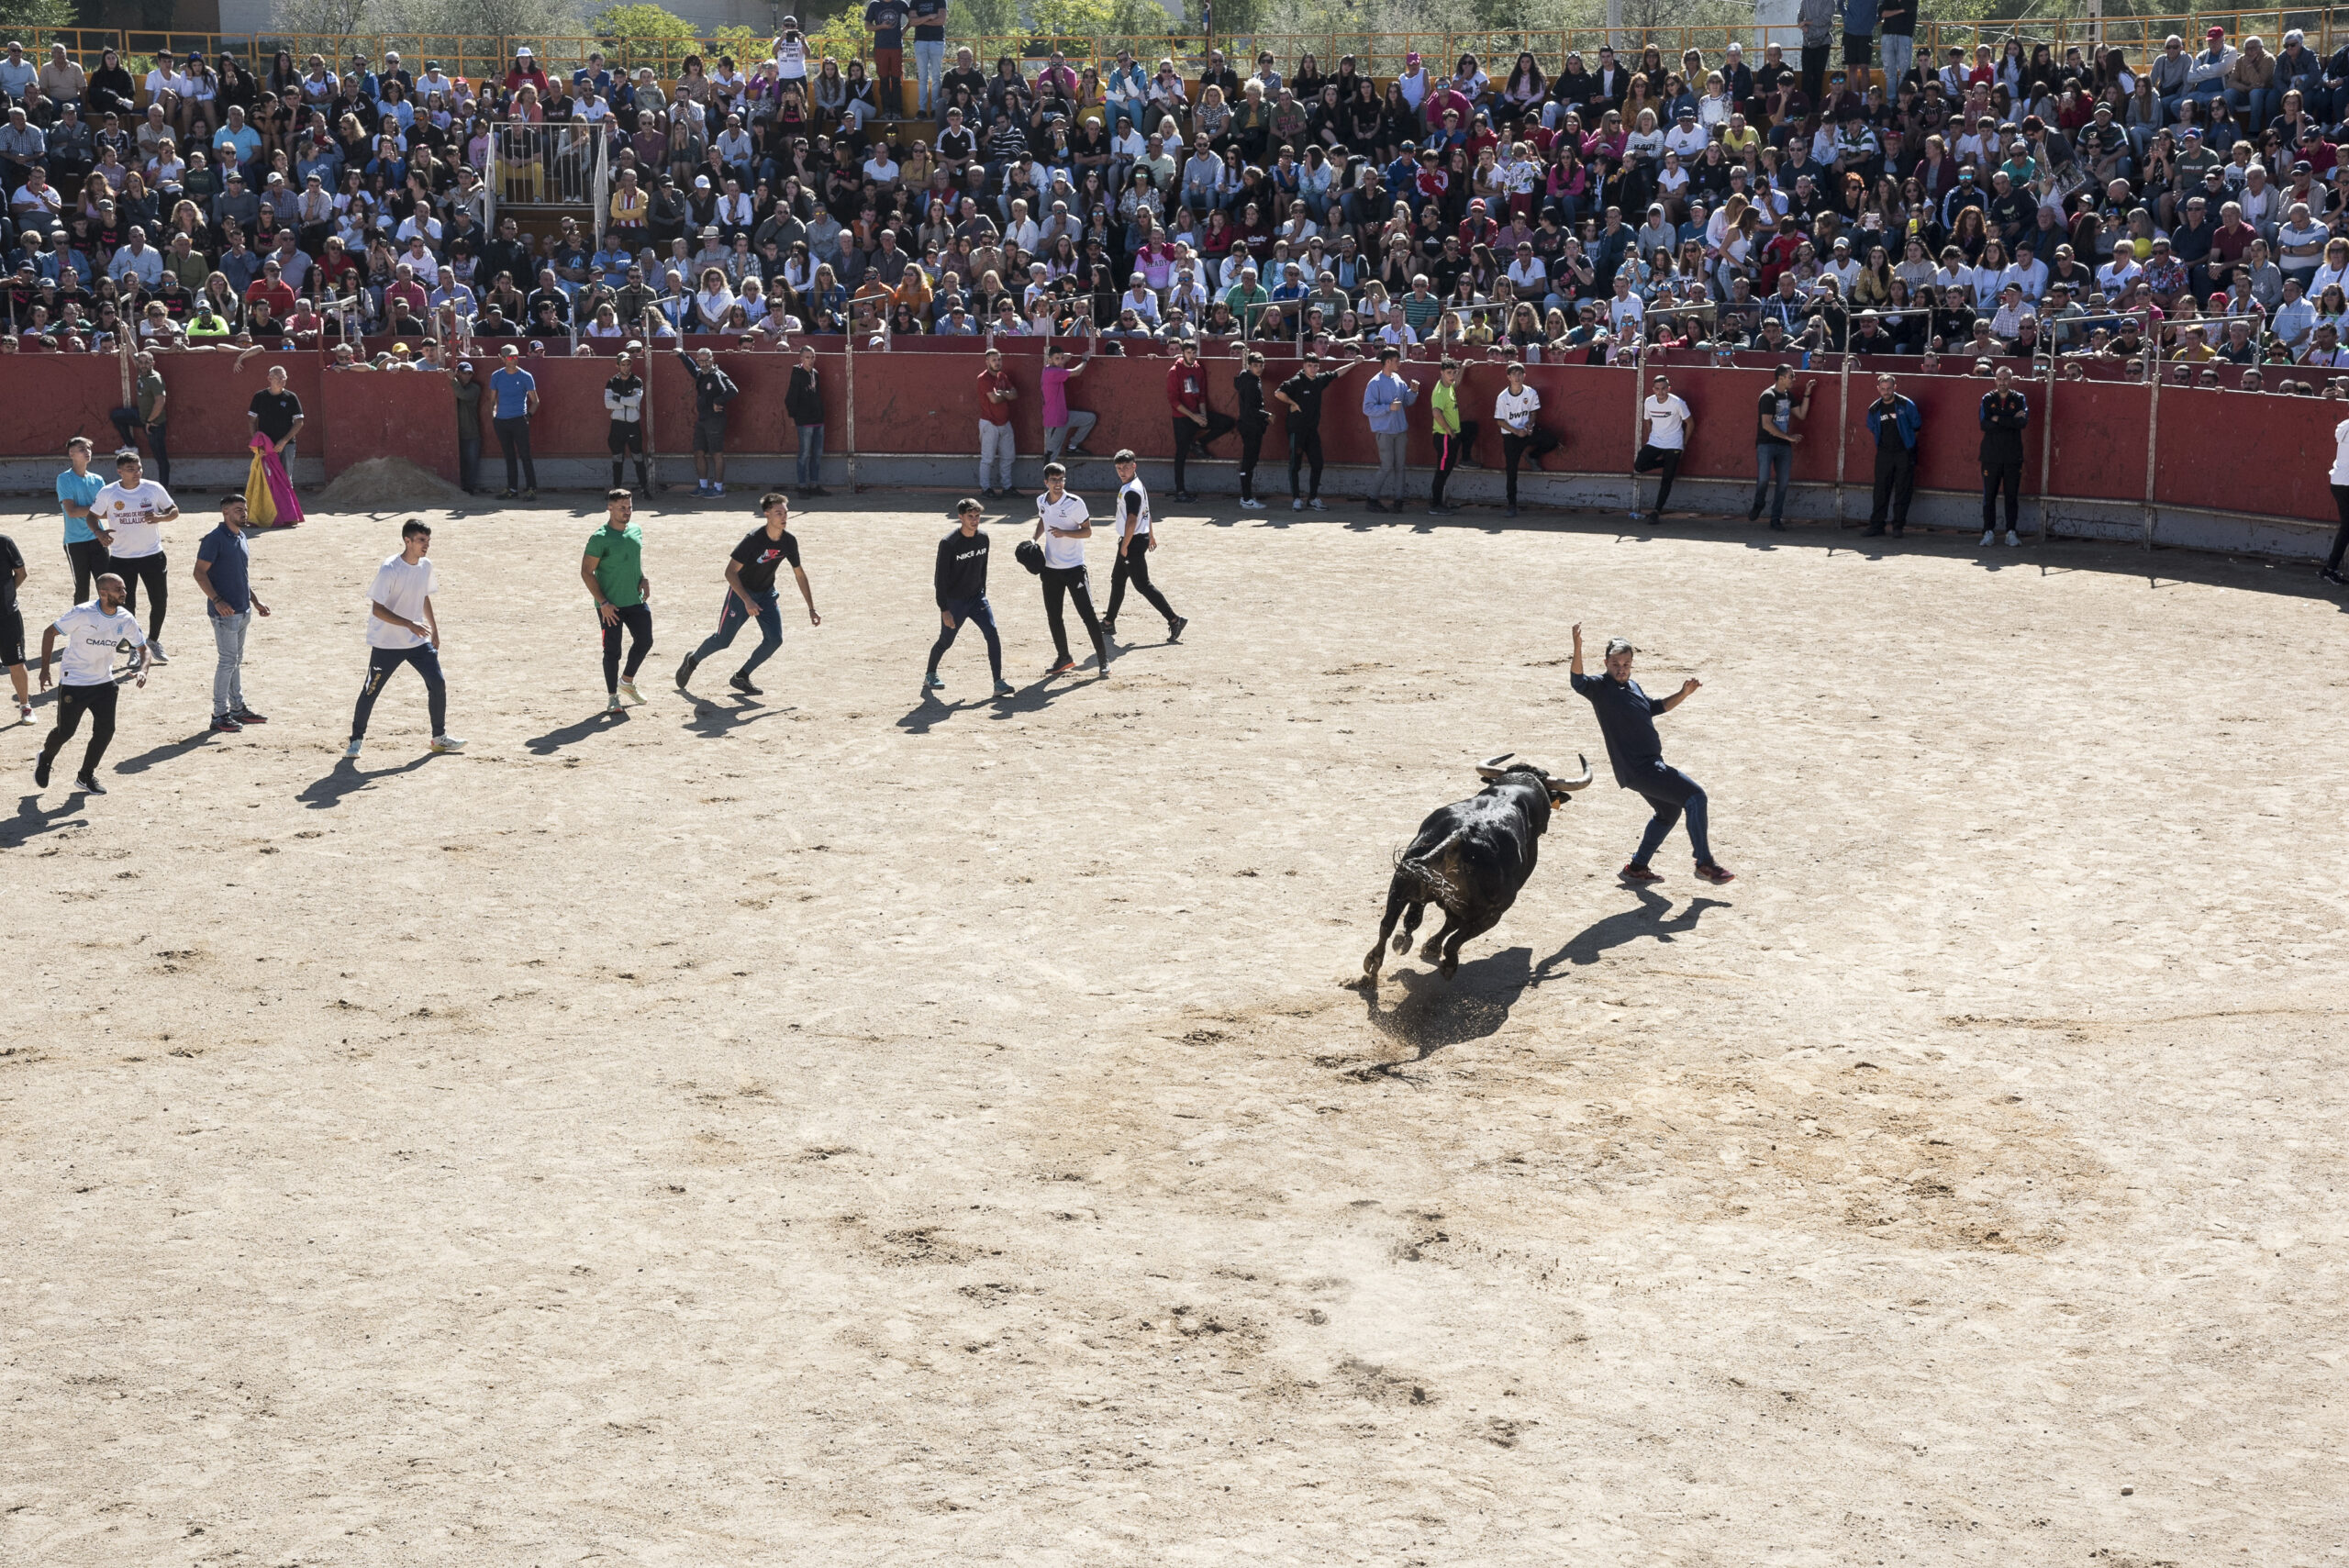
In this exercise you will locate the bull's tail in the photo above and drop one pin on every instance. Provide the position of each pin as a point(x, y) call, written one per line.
point(1426, 873)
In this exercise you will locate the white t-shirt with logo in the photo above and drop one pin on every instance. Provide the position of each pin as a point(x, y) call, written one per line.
point(1068, 512)
point(401, 589)
point(131, 515)
point(2340, 474)
point(91, 636)
point(1133, 487)
point(1667, 419)
point(1511, 406)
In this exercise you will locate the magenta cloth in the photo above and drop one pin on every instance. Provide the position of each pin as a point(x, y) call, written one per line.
point(281, 486)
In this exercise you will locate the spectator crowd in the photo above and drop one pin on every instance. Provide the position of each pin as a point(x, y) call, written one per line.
point(1989, 205)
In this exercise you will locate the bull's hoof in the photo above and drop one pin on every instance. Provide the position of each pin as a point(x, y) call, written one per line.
point(1402, 941)
point(1370, 964)
point(1433, 951)
point(1450, 966)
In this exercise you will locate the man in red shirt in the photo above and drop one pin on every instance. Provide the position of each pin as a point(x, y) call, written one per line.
point(1196, 424)
point(997, 450)
point(270, 289)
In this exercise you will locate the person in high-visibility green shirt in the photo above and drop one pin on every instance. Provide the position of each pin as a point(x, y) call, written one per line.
point(1453, 439)
point(204, 324)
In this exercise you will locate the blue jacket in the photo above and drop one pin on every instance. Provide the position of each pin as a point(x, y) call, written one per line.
point(1906, 420)
point(1384, 388)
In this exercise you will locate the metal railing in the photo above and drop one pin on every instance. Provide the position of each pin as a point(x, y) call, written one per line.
point(539, 165)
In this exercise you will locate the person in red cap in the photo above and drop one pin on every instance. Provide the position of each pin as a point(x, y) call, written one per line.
point(2207, 78)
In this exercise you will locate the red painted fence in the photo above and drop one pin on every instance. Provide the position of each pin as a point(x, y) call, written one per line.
point(2261, 454)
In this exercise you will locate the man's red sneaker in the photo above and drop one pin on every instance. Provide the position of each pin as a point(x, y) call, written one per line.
point(1637, 872)
point(1716, 874)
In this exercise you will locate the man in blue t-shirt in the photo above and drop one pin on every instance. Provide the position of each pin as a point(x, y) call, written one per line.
point(516, 395)
point(87, 542)
point(887, 20)
point(1627, 721)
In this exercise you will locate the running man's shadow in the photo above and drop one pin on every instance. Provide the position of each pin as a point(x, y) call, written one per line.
point(1043, 694)
point(347, 778)
point(163, 754)
point(31, 820)
point(933, 709)
point(1435, 1012)
point(554, 740)
point(1646, 922)
point(712, 722)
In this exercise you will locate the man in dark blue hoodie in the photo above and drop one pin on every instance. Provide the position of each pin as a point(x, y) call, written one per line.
point(1895, 423)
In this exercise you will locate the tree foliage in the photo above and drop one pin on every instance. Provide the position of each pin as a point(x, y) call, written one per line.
point(28, 19)
point(643, 24)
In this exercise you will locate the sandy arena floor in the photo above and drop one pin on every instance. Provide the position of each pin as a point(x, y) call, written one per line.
point(846, 1128)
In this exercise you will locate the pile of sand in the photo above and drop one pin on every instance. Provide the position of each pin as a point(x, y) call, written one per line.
point(385, 484)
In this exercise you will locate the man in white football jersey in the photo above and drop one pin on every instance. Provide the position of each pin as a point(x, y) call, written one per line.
point(1136, 540)
point(1063, 524)
point(92, 632)
point(134, 508)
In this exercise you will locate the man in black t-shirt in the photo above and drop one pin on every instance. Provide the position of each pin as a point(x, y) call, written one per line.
point(749, 592)
point(1302, 393)
point(12, 625)
point(1627, 721)
point(961, 585)
point(277, 413)
point(1774, 440)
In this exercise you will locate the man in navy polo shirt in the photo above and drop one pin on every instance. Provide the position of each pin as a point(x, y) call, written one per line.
point(224, 575)
point(1627, 719)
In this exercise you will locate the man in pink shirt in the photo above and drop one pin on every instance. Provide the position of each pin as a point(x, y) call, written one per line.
point(1065, 428)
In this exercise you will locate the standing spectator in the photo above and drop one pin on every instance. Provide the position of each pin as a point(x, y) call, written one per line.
point(1065, 428)
point(1063, 524)
point(1513, 411)
point(1196, 424)
point(402, 629)
point(12, 625)
point(613, 569)
point(515, 397)
point(92, 633)
point(961, 585)
point(224, 577)
point(1664, 421)
point(136, 508)
point(713, 390)
point(1452, 438)
point(1303, 393)
point(804, 401)
point(996, 453)
point(147, 412)
point(1385, 402)
point(1898, 20)
point(929, 53)
point(887, 20)
point(2005, 412)
point(1895, 423)
point(277, 413)
point(623, 407)
point(2339, 477)
point(1248, 386)
point(87, 538)
point(749, 594)
point(468, 395)
point(1775, 440)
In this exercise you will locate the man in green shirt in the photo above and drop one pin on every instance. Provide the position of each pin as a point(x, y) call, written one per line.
point(1453, 439)
point(1245, 298)
point(147, 411)
point(613, 570)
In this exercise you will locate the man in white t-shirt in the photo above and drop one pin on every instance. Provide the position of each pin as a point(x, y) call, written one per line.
point(134, 508)
point(1063, 524)
point(1663, 436)
point(92, 632)
point(1136, 540)
point(402, 629)
point(1513, 409)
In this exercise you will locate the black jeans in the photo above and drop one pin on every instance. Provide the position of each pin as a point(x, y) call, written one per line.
point(469, 463)
point(1649, 461)
point(964, 612)
point(1896, 481)
point(2006, 476)
point(1449, 452)
point(2340, 540)
point(1304, 446)
point(1538, 445)
point(152, 571)
point(382, 663)
point(127, 424)
point(514, 440)
point(89, 557)
point(1069, 580)
point(1189, 433)
point(1133, 566)
point(637, 621)
point(1252, 447)
point(1814, 69)
point(73, 702)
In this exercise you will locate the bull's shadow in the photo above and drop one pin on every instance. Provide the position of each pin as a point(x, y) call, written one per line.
point(1435, 1012)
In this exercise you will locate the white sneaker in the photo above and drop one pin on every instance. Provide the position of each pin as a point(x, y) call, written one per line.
point(1296, 503)
point(25, 712)
point(2010, 537)
point(1989, 536)
point(155, 650)
point(1252, 504)
point(627, 690)
point(350, 753)
point(1316, 503)
point(447, 743)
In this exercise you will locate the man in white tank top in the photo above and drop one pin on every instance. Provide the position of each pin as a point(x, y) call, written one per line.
point(1136, 540)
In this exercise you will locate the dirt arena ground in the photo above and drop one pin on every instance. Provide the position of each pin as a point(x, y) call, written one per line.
point(841, 1128)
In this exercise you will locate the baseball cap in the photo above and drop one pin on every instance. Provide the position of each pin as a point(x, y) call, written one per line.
point(465, 365)
point(2216, 33)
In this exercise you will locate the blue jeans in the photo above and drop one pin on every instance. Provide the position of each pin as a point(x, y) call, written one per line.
point(1900, 53)
point(1670, 791)
point(1771, 461)
point(2257, 105)
point(227, 676)
point(382, 664)
point(730, 620)
point(930, 69)
point(811, 456)
point(966, 612)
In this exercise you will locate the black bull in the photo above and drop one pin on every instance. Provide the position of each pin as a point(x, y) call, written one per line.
point(1470, 859)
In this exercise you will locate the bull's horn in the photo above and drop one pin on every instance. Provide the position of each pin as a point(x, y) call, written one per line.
point(1582, 783)
point(1490, 768)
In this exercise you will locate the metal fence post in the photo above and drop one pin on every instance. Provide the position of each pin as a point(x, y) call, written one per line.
point(2046, 454)
point(1842, 432)
point(851, 410)
point(1638, 411)
point(2153, 435)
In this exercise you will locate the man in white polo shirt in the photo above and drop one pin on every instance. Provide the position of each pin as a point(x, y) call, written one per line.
point(134, 508)
point(92, 632)
point(1063, 524)
point(402, 629)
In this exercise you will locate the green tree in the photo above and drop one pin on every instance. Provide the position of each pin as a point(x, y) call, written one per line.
point(25, 16)
point(644, 35)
